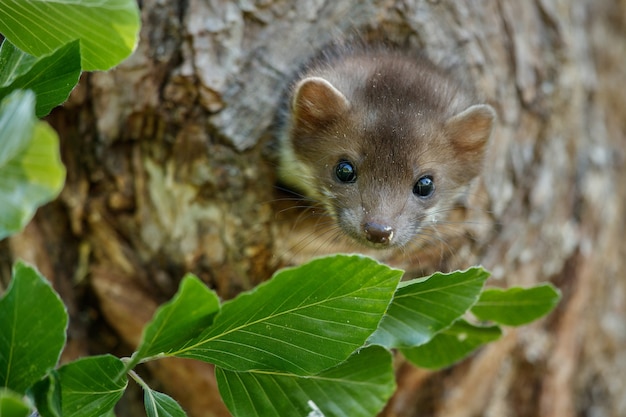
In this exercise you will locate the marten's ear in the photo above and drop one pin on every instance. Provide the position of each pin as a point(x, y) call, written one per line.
point(468, 133)
point(469, 130)
point(317, 102)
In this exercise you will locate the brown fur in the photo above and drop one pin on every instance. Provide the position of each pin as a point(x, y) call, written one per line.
point(396, 118)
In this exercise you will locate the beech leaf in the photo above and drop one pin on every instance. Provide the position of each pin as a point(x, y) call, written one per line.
point(451, 345)
point(423, 307)
point(161, 405)
point(12, 404)
point(185, 316)
point(33, 321)
point(30, 164)
point(303, 320)
point(359, 387)
point(107, 29)
point(516, 306)
point(91, 386)
point(51, 77)
point(46, 394)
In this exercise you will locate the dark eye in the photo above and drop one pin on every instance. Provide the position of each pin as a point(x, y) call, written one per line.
point(424, 187)
point(345, 172)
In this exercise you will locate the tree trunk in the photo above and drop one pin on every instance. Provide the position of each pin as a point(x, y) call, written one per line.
point(170, 170)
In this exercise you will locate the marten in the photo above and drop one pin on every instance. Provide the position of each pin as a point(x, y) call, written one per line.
point(383, 139)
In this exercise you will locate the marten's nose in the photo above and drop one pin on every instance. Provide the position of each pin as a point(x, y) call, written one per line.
point(378, 233)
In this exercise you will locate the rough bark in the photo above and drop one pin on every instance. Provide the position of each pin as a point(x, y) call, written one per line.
point(169, 171)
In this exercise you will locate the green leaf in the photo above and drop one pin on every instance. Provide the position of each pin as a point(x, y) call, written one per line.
point(17, 123)
point(516, 306)
point(451, 345)
point(90, 387)
point(303, 320)
point(33, 321)
point(30, 165)
point(421, 308)
point(359, 387)
point(160, 405)
point(52, 77)
point(12, 404)
point(46, 394)
point(107, 29)
point(191, 311)
point(13, 62)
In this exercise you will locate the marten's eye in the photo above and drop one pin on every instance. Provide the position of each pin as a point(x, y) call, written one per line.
point(424, 187)
point(345, 172)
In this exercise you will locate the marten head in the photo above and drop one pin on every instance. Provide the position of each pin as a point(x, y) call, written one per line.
point(386, 146)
